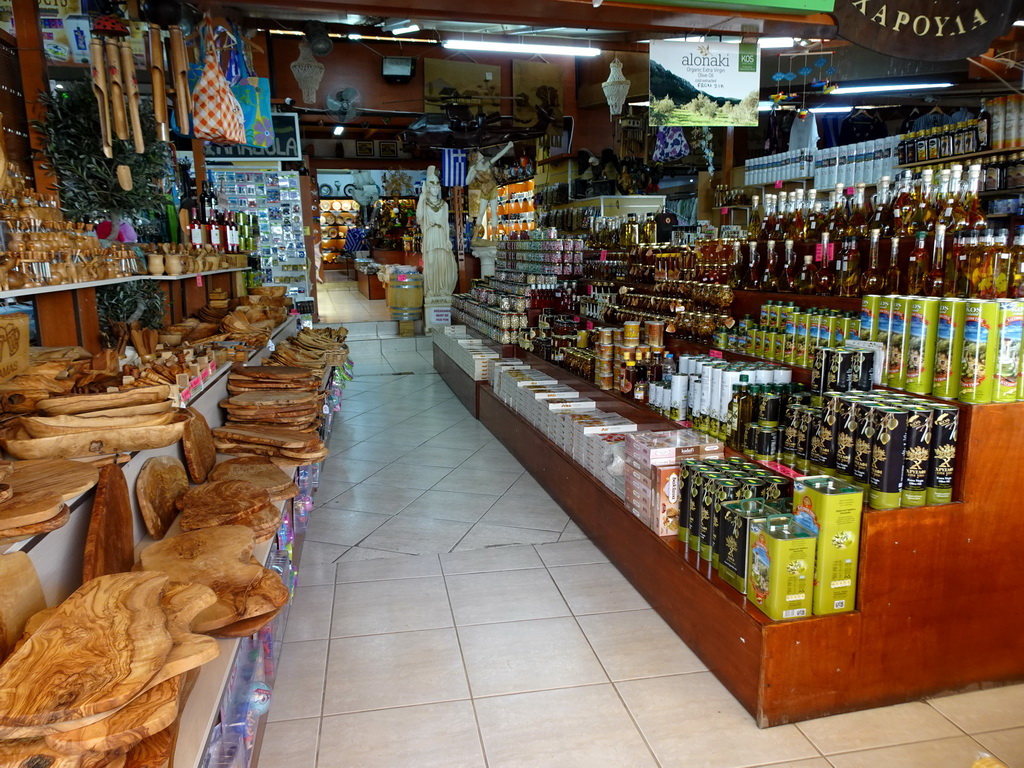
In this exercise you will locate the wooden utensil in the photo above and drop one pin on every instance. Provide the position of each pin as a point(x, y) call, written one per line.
point(96, 653)
point(161, 481)
point(200, 451)
point(110, 540)
point(99, 88)
point(156, 72)
point(131, 90)
point(21, 597)
point(68, 478)
point(179, 70)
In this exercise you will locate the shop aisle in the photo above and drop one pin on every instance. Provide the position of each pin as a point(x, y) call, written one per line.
point(339, 301)
point(451, 615)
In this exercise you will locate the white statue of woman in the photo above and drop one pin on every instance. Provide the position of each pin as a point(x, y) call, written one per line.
point(480, 179)
point(440, 272)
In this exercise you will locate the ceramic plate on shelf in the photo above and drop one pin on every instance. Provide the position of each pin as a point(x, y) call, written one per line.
point(346, 205)
point(325, 190)
point(336, 205)
point(328, 219)
point(332, 232)
point(325, 205)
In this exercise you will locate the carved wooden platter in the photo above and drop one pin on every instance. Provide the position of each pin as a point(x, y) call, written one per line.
point(110, 540)
point(21, 597)
point(200, 452)
point(75, 404)
point(220, 502)
point(66, 477)
point(29, 507)
point(161, 481)
point(261, 472)
point(96, 652)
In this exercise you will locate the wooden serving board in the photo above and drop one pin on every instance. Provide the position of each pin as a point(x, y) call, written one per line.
point(200, 452)
point(143, 716)
point(22, 532)
point(263, 399)
point(35, 752)
point(276, 437)
point(52, 426)
point(220, 502)
point(75, 404)
point(246, 627)
point(98, 442)
point(274, 372)
point(161, 482)
point(28, 507)
point(110, 539)
point(66, 477)
point(96, 653)
point(21, 597)
point(182, 602)
point(153, 751)
point(162, 406)
point(261, 472)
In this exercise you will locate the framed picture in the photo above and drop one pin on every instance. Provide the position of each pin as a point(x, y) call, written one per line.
point(388, 148)
point(364, 149)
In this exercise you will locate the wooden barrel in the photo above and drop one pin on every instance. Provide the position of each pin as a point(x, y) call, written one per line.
point(405, 296)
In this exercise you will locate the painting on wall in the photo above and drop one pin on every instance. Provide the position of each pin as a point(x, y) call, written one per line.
point(364, 149)
point(388, 148)
point(445, 80)
point(537, 88)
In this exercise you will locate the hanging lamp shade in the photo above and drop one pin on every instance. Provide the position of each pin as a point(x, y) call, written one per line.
point(615, 88)
point(308, 73)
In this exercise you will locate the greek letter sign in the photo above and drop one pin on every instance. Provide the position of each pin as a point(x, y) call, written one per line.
point(931, 30)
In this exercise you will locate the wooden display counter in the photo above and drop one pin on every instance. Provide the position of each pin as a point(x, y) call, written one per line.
point(370, 286)
point(935, 606)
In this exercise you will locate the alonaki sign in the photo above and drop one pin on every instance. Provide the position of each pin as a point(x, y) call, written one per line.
point(931, 30)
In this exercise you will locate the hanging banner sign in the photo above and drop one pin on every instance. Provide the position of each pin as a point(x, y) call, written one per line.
point(704, 84)
point(285, 148)
point(929, 30)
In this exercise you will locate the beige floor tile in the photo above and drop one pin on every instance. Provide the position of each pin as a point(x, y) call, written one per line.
point(691, 721)
point(634, 644)
point(299, 688)
point(386, 452)
point(427, 736)
point(510, 558)
point(527, 486)
point(348, 471)
point(572, 532)
point(942, 753)
point(309, 617)
point(578, 552)
point(881, 727)
point(449, 505)
point(484, 536)
point(289, 744)
point(565, 728)
point(359, 554)
point(417, 535)
point(596, 588)
point(319, 553)
point(814, 762)
point(372, 607)
point(994, 709)
point(485, 598)
point(394, 670)
point(486, 460)
point(1007, 745)
point(419, 566)
point(528, 656)
point(435, 456)
point(375, 498)
point(408, 476)
point(489, 481)
point(527, 512)
point(331, 525)
point(315, 575)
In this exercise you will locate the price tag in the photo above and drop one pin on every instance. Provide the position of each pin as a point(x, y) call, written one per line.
point(778, 185)
point(199, 280)
point(326, 410)
point(604, 255)
point(590, 325)
point(817, 252)
point(831, 250)
point(270, 345)
point(590, 290)
point(850, 191)
point(715, 353)
point(725, 210)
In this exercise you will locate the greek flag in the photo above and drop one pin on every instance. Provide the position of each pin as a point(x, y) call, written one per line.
point(453, 167)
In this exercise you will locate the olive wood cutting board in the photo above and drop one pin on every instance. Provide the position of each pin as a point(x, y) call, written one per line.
point(246, 627)
point(143, 716)
point(21, 597)
point(161, 482)
point(77, 404)
point(220, 502)
point(200, 452)
point(259, 471)
point(276, 437)
point(66, 477)
point(28, 507)
point(96, 652)
point(153, 751)
point(35, 752)
point(273, 372)
point(110, 539)
point(266, 399)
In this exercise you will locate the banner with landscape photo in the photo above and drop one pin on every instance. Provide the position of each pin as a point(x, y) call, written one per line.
point(704, 84)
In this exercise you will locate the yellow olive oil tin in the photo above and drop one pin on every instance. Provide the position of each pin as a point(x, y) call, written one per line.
point(780, 567)
point(980, 351)
point(831, 509)
point(896, 349)
point(1011, 322)
point(734, 541)
point(802, 343)
point(869, 317)
point(922, 332)
point(949, 342)
point(882, 336)
point(789, 342)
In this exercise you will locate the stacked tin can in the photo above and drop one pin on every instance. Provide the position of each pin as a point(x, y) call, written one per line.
point(788, 334)
point(956, 349)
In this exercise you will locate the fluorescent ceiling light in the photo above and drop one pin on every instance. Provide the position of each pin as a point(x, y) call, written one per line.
point(1019, 23)
point(529, 48)
point(380, 39)
point(640, 103)
point(339, 129)
point(766, 106)
point(406, 30)
point(888, 88)
point(775, 42)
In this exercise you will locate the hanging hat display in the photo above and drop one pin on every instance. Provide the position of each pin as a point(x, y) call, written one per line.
point(615, 88)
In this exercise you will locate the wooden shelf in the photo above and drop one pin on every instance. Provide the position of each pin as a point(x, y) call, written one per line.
point(961, 159)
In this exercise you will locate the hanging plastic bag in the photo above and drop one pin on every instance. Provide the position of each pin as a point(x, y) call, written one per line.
point(253, 94)
point(216, 113)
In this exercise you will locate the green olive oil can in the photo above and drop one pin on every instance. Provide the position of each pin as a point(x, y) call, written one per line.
point(734, 545)
point(831, 509)
point(882, 335)
point(949, 344)
point(980, 351)
point(896, 347)
point(780, 567)
point(922, 331)
point(1011, 322)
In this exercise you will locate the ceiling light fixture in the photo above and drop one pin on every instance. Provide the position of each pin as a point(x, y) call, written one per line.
point(529, 49)
point(847, 89)
point(775, 42)
point(406, 30)
point(381, 39)
point(339, 129)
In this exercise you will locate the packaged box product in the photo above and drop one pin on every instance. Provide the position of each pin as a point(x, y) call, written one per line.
point(14, 350)
point(831, 509)
point(780, 567)
point(571, 404)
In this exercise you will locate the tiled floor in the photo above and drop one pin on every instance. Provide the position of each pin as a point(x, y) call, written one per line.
point(451, 615)
point(339, 301)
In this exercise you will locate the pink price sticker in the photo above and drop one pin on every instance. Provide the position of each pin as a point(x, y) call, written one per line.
point(778, 185)
point(199, 280)
point(604, 255)
point(590, 290)
point(725, 210)
point(850, 191)
point(590, 325)
point(715, 353)
point(817, 252)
